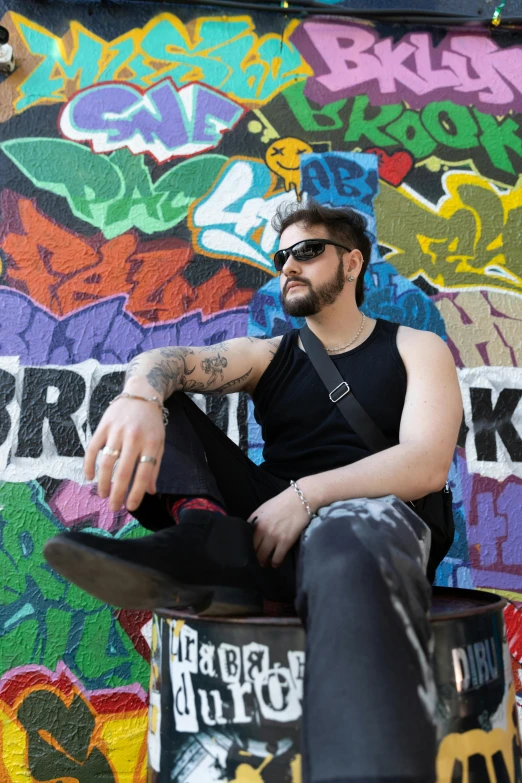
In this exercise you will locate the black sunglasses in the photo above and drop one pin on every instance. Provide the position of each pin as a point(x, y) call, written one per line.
point(304, 251)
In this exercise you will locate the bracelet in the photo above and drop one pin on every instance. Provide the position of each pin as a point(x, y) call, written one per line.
point(303, 500)
point(156, 400)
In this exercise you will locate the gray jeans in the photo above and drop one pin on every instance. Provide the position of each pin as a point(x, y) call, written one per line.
point(357, 578)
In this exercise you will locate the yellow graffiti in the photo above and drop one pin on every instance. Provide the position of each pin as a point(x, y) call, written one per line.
point(296, 769)
point(247, 774)
point(469, 240)
point(456, 749)
point(121, 738)
point(225, 53)
point(283, 158)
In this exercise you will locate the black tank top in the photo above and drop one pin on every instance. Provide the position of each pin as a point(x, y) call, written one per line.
point(304, 432)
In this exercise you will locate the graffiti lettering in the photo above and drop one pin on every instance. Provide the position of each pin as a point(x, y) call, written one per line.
point(229, 56)
point(233, 220)
point(442, 129)
point(490, 756)
point(475, 665)
point(69, 733)
point(30, 622)
point(491, 398)
point(489, 420)
point(113, 193)
point(64, 271)
point(163, 121)
point(350, 59)
point(58, 409)
point(252, 685)
point(343, 179)
point(103, 331)
point(470, 239)
point(482, 327)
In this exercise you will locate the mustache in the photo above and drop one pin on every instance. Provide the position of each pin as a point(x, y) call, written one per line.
point(295, 280)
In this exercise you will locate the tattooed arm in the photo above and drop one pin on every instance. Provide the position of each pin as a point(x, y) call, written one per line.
point(134, 428)
point(231, 366)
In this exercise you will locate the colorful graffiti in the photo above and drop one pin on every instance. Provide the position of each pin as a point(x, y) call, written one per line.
point(350, 59)
point(163, 121)
point(143, 157)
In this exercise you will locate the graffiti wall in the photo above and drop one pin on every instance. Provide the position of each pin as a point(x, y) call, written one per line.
point(143, 152)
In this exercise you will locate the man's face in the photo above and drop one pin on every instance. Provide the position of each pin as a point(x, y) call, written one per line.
point(309, 286)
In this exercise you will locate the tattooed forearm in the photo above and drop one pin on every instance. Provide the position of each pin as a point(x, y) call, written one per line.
point(226, 387)
point(165, 369)
point(178, 368)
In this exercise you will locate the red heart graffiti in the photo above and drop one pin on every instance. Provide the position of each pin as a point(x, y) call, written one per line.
point(393, 168)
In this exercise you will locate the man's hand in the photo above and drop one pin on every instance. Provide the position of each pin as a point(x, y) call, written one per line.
point(278, 524)
point(135, 429)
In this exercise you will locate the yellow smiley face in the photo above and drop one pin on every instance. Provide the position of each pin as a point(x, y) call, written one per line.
point(283, 157)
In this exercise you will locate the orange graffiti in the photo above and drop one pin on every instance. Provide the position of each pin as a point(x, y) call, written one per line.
point(64, 271)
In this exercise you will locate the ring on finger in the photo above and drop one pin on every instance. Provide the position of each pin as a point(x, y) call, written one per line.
point(152, 460)
point(108, 452)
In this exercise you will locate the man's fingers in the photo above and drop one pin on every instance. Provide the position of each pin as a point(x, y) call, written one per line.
point(123, 475)
point(154, 477)
point(265, 550)
point(108, 457)
point(145, 471)
point(280, 553)
point(98, 440)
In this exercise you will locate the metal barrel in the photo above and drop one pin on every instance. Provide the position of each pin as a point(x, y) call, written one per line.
point(226, 696)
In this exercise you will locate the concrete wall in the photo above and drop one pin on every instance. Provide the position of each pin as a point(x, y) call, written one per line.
point(117, 235)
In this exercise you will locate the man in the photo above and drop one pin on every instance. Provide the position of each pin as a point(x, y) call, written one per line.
point(357, 571)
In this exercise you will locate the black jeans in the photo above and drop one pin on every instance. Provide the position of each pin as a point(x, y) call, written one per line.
point(359, 585)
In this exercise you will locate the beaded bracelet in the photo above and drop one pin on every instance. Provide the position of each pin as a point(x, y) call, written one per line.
point(303, 500)
point(156, 400)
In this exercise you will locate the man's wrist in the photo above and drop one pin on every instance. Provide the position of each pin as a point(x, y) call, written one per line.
point(140, 385)
point(312, 491)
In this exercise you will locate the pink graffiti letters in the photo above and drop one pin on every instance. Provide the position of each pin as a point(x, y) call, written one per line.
point(348, 59)
point(162, 121)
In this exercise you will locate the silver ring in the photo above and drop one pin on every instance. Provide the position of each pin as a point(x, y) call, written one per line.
point(108, 452)
point(152, 460)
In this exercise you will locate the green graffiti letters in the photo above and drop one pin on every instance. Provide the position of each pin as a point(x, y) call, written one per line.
point(442, 129)
point(114, 193)
point(43, 618)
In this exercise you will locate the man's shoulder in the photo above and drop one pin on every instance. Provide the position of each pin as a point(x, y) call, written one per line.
point(419, 345)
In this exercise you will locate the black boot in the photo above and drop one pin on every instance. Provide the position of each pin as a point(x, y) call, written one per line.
point(199, 564)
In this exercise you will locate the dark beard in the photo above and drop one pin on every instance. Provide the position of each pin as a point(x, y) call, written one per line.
point(313, 302)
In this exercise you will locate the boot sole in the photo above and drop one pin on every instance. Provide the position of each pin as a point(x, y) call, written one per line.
point(120, 583)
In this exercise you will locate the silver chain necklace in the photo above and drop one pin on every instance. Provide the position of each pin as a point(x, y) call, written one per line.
point(336, 348)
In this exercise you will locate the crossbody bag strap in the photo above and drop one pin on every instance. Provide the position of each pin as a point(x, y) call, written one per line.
point(341, 394)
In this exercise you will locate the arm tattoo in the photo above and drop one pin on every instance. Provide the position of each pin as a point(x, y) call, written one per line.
point(227, 387)
point(214, 366)
point(273, 346)
point(170, 372)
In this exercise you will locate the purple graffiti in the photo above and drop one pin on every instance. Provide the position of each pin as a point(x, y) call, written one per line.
point(348, 59)
point(75, 505)
point(162, 121)
point(103, 331)
point(493, 532)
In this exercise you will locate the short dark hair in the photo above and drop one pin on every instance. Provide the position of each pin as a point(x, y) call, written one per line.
point(343, 225)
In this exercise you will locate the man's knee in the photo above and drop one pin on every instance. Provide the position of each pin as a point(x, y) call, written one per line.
point(363, 540)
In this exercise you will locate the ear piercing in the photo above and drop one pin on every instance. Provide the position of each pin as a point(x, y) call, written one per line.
point(351, 279)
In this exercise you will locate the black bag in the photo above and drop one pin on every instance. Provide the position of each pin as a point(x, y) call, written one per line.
point(434, 509)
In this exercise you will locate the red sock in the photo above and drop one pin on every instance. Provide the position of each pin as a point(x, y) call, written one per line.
point(177, 504)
